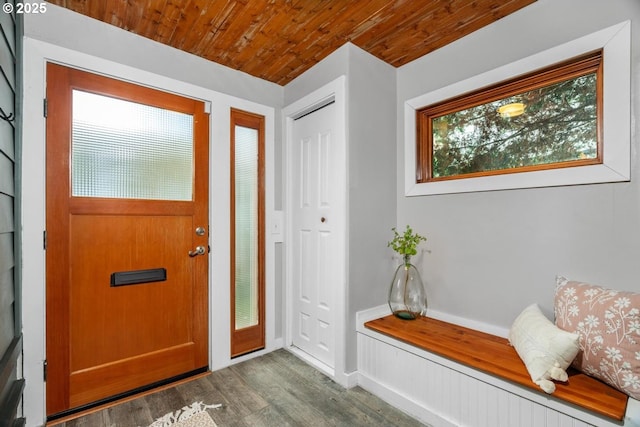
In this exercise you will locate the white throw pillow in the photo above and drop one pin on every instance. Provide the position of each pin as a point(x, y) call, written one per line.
point(545, 349)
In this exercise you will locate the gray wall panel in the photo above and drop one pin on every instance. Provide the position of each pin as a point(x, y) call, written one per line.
point(6, 214)
point(10, 342)
point(7, 184)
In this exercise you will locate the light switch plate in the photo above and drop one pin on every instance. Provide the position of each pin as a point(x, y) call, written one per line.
point(277, 226)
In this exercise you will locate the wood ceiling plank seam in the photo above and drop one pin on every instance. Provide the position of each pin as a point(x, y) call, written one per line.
point(204, 31)
point(253, 59)
point(79, 6)
point(169, 18)
point(189, 27)
point(149, 20)
point(323, 23)
point(252, 41)
point(230, 33)
point(360, 20)
point(245, 20)
point(305, 46)
point(270, 42)
point(210, 23)
point(218, 25)
point(397, 25)
point(97, 10)
point(398, 45)
point(291, 63)
point(304, 21)
point(280, 65)
point(131, 16)
point(118, 15)
point(286, 44)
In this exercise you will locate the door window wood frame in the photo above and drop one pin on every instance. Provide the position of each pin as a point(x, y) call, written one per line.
point(251, 338)
point(565, 71)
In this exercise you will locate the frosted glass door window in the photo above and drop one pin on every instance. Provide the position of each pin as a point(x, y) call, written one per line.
point(122, 149)
point(246, 226)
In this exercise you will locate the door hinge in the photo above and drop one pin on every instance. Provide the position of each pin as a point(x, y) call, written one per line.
point(45, 107)
point(44, 370)
point(44, 240)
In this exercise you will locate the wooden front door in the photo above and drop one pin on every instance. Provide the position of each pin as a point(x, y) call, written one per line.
point(127, 208)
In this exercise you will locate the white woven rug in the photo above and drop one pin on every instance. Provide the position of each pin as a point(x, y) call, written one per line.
point(194, 415)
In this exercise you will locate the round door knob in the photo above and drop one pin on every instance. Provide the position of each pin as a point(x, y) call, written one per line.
point(323, 219)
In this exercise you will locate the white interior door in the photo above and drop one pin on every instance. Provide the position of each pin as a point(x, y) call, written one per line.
point(317, 246)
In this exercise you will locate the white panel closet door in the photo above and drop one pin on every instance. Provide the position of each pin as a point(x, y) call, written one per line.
point(316, 271)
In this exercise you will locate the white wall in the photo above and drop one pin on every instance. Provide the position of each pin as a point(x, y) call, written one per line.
point(490, 254)
point(327, 70)
point(372, 186)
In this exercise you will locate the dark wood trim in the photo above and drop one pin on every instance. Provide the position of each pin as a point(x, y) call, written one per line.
point(252, 338)
point(58, 129)
point(566, 70)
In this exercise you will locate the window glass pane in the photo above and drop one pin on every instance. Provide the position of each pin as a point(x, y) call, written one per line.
point(122, 149)
point(246, 224)
point(551, 124)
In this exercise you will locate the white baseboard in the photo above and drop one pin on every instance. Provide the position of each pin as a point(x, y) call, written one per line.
point(352, 379)
point(322, 367)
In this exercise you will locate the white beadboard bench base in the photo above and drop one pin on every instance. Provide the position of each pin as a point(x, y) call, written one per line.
point(441, 392)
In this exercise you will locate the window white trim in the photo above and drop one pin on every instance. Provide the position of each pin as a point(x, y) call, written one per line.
point(616, 44)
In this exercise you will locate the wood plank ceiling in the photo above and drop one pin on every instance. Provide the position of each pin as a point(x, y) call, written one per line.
point(277, 40)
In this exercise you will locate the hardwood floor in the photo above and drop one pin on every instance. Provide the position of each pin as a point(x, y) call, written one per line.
point(277, 390)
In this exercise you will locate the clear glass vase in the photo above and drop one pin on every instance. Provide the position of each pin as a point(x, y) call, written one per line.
point(407, 298)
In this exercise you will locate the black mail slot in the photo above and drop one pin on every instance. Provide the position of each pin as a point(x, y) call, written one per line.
point(124, 278)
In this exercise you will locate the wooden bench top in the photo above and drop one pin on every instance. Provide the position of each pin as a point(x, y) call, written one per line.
point(494, 355)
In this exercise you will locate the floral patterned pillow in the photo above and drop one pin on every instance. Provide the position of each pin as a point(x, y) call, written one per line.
point(608, 322)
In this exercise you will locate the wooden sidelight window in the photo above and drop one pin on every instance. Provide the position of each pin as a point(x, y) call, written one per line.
point(247, 233)
point(549, 119)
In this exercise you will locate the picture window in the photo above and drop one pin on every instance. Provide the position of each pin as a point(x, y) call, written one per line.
point(551, 118)
point(604, 54)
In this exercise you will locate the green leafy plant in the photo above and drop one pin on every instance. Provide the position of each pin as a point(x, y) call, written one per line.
point(405, 244)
